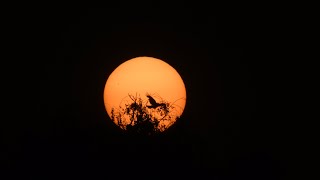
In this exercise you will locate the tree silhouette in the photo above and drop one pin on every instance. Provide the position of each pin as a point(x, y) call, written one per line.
point(137, 117)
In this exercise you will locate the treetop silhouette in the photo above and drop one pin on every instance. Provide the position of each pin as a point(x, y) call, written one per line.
point(146, 117)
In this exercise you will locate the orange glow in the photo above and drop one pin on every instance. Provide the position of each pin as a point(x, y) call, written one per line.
point(141, 76)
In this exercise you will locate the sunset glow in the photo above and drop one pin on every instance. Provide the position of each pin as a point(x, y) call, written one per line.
point(145, 75)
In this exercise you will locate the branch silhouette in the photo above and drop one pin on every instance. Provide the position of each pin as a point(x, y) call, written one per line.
point(147, 118)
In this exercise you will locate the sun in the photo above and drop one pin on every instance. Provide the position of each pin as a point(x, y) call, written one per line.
point(144, 94)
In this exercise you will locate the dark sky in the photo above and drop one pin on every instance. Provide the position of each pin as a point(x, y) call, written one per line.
point(227, 131)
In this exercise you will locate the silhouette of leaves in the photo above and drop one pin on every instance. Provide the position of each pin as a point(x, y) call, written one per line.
point(136, 117)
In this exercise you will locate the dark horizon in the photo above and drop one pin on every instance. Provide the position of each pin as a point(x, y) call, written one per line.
point(225, 132)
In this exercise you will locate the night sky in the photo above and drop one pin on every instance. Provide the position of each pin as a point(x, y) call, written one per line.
point(228, 129)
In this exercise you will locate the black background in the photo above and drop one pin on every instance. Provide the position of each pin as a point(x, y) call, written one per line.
point(229, 129)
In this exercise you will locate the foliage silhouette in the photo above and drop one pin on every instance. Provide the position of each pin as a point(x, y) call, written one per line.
point(136, 117)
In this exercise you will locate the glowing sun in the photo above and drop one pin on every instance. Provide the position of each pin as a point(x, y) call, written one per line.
point(144, 94)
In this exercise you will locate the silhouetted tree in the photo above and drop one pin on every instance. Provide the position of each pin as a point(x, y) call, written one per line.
point(136, 117)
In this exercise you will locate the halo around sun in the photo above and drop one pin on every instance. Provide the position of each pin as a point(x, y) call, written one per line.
point(144, 94)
